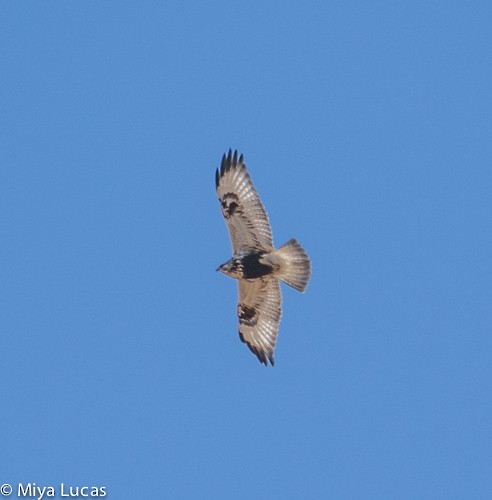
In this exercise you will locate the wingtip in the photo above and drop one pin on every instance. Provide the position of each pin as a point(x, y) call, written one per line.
point(226, 163)
point(262, 356)
point(229, 160)
point(223, 165)
point(217, 178)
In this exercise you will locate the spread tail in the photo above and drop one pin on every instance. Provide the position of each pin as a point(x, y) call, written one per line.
point(294, 265)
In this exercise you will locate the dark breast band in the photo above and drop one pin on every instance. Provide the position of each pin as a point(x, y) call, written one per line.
point(252, 268)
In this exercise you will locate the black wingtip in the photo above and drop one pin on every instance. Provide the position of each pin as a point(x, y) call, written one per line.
point(259, 354)
point(265, 358)
point(223, 165)
point(229, 160)
point(217, 178)
point(262, 356)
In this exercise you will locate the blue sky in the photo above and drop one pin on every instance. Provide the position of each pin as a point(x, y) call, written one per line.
point(366, 127)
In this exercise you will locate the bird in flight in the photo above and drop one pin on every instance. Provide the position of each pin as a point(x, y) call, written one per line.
point(255, 263)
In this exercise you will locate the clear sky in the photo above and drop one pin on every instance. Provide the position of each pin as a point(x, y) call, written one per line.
point(367, 129)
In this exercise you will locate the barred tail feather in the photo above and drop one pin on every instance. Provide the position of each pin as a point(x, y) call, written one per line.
point(294, 265)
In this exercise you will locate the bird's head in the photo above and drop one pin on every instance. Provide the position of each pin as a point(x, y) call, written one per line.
point(232, 268)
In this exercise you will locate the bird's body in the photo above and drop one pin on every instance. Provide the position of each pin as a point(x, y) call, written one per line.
point(255, 263)
point(249, 266)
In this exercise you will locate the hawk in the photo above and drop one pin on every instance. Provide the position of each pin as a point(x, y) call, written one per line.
point(255, 263)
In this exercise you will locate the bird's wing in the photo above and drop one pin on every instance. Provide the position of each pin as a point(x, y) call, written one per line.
point(245, 216)
point(259, 310)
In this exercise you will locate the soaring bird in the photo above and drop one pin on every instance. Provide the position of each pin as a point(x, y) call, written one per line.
point(255, 263)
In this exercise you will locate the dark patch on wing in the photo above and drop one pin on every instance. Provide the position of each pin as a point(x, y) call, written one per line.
point(247, 315)
point(230, 205)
